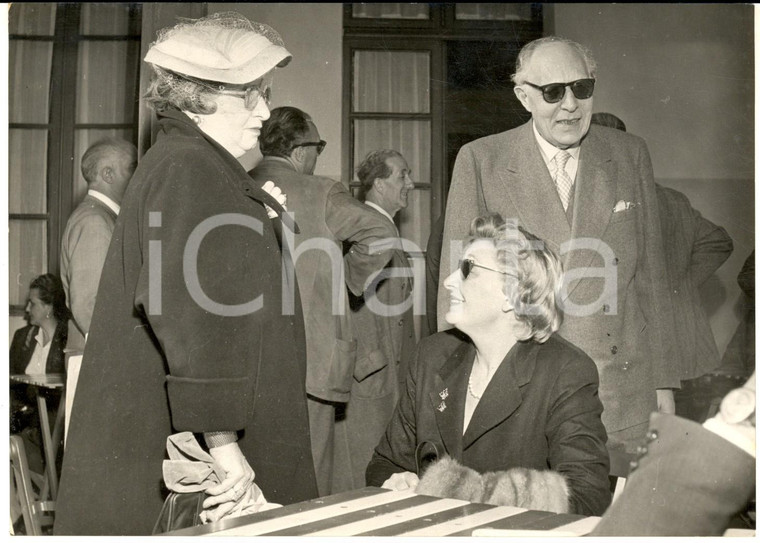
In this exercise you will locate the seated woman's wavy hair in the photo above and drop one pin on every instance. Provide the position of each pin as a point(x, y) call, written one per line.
point(536, 292)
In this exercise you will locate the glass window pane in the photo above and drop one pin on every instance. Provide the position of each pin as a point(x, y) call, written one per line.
point(83, 138)
point(109, 19)
point(411, 139)
point(390, 11)
point(392, 81)
point(31, 19)
point(27, 253)
point(493, 12)
point(107, 81)
point(27, 170)
point(29, 68)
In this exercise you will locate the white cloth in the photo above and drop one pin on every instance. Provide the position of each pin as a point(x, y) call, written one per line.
point(38, 362)
point(105, 199)
point(72, 376)
point(380, 209)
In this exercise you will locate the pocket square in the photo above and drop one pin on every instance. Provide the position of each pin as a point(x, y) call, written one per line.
point(622, 205)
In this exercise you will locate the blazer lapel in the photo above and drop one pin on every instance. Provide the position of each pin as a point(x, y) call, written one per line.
point(595, 189)
point(528, 184)
point(448, 397)
point(502, 395)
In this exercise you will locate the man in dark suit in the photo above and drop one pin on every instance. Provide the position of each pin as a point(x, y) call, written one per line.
point(383, 320)
point(690, 480)
point(327, 215)
point(589, 193)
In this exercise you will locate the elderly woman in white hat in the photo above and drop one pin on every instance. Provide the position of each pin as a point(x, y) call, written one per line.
point(189, 332)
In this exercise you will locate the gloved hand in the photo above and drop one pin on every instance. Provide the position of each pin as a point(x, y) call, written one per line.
point(237, 484)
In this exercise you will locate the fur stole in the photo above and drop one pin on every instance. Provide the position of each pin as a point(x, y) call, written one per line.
point(541, 490)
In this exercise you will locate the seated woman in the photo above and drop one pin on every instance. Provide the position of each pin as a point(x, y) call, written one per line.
point(38, 347)
point(508, 395)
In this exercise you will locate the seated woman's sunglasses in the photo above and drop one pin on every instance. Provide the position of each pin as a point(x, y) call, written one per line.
point(466, 265)
point(554, 92)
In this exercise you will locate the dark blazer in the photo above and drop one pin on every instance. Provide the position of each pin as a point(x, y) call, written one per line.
point(628, 328)
point(23, 345)
point(540, 411)
point(694, 249)
point(169, 351)
point(689, 482)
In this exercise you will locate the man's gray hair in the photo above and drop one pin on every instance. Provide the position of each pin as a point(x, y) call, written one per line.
point(107, 148)
point(523, 58)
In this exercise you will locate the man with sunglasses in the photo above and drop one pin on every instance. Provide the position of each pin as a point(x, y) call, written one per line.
point(589, 192)
point(327, 216)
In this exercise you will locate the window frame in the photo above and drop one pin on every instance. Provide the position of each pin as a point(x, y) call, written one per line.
point(62, 126)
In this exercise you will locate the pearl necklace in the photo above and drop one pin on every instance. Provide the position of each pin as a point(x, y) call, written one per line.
point(469, 389)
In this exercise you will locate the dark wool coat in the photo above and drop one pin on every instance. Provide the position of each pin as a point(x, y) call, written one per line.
point(540, 410)
point(168, 349)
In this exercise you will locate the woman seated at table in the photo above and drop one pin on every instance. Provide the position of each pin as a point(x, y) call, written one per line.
point(38, 348)
point(508, 394)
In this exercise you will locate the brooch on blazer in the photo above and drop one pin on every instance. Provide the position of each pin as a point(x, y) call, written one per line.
point(444, 393)
point(622, 205)
point(442, 407)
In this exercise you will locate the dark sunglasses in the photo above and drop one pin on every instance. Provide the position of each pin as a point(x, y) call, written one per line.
point(554, 92)
point(466, 265)
point(320, 145)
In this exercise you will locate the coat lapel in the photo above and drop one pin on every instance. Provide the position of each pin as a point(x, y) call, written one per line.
point(528, 184)
point(502, 395)
point(595, 198)
point(448, 397)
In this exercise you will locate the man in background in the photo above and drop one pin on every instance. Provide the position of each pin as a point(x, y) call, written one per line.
point(107, 166)
point(383, 319)
point(327, 215)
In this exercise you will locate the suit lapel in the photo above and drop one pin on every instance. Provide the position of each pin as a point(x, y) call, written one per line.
point(594, 200)
point(528, 184)
point(448, 397)
point(502, 395)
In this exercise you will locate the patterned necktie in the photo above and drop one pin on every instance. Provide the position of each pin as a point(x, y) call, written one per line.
point(562, 178)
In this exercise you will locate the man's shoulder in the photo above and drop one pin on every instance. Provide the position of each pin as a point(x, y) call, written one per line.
point(91, 212)
point(615, 139)
point(500, 139)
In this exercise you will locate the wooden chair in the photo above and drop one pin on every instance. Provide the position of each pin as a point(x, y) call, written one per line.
point(36, 514)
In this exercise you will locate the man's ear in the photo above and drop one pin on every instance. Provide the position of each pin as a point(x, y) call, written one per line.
point(297, 154)
point(523, 97)
point(107, 174)
point(378, 185)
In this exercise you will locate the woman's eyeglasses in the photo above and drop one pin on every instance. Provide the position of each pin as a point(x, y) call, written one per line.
point(251, 95)
point(554, 92)
point(466, 265)
point(320, 145)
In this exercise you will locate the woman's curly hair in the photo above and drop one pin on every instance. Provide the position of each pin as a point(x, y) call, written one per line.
point(534, 277)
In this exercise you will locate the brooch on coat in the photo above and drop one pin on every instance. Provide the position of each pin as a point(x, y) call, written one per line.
point(443, 394)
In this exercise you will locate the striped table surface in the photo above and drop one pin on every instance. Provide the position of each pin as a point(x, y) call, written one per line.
point(374, 511)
